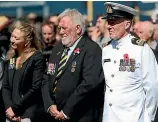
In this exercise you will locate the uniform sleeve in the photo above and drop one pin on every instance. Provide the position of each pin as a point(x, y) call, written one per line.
point(149, 69)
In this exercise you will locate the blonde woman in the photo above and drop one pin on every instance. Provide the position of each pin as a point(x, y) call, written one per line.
point(23, 74)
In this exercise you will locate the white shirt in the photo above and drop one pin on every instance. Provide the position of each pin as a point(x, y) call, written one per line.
point(72, 48)
point(131, 96)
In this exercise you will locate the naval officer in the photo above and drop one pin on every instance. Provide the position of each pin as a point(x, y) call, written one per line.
point(130, 71)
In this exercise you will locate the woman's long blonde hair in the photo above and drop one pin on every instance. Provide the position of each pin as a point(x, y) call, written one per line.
point(32, 43)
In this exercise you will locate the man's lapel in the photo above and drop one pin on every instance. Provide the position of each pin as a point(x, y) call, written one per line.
point(58, 57)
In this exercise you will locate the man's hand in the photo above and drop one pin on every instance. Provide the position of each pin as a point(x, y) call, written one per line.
point(9, 113)
point(16, 119)
point(53, 110)
point(60, 117)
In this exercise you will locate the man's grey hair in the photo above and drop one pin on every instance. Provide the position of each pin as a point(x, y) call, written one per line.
point(75, 16)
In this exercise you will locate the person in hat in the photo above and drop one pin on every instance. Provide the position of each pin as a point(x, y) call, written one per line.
point(130, 70)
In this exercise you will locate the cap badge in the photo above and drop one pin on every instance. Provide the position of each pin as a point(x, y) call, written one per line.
point(109, 9)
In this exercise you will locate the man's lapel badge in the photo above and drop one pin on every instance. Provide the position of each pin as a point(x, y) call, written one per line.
point(77, 51)
point(73, 66)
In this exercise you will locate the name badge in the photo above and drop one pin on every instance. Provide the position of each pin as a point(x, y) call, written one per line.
point(107, 60)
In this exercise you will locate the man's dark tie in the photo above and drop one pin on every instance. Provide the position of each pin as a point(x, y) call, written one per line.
point(61, 65)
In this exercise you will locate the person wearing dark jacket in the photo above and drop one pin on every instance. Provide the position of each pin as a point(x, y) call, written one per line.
point(74, 84)
point(24, 67)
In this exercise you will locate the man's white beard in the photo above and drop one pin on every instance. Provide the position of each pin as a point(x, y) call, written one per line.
point(66, 41)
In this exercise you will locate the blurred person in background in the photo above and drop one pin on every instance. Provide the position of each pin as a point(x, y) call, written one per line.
point(156, 32)
point(54, 19)
point(4, 35)
point(4, 46)
point(136, 27)
point(154, 16)
point(86, 20)
point(32, 19)
point(24, 67)
point(48, 36)
point(57, 36)
point(102, 25)
point(146, 33)
point(93, 31)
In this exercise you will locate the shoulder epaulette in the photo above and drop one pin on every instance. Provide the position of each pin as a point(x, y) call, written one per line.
point(106, 44)
point(137, 41)
point(109, 42)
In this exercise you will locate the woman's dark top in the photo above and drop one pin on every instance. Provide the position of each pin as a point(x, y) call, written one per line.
point(21, 87)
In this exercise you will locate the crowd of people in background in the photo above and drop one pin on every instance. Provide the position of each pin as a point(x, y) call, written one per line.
point(47, 30)
point(26, 45)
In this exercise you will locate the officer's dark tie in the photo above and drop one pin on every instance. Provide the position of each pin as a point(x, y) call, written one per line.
point(61, 65)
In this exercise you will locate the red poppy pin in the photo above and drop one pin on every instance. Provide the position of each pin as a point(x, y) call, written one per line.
point(77, 51)
point(126, 57)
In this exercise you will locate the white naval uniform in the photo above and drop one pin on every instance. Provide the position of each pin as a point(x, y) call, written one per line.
point(130, 96)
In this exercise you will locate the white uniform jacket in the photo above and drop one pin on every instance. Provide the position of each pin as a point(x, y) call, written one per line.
point(131, 82)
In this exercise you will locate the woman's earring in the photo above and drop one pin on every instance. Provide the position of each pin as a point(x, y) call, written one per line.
point(26, 44)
